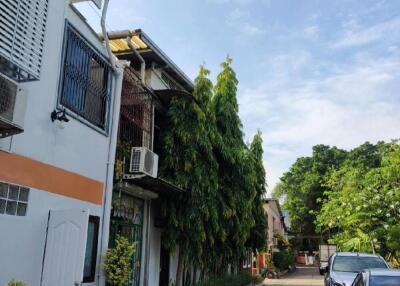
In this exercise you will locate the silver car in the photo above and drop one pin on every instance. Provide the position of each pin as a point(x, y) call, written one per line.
point(343, 267)
point(378, 277)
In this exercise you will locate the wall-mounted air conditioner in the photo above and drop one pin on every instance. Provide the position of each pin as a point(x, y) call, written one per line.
point(142, 162)
point(12, 107)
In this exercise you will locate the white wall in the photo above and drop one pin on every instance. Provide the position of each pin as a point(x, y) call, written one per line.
point(23, 238)
point(76, 148)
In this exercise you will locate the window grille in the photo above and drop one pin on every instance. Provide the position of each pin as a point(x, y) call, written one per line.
point(13, 199)
point(22, 32)
point(136, 114)
point(85, 81)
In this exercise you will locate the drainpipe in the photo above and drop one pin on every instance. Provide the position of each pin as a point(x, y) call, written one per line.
point(110, 166)
point(139, 56)
point(118, 69)
point(105, 36)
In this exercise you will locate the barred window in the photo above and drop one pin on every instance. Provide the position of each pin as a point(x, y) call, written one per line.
point(13, 199)
point(86, 80)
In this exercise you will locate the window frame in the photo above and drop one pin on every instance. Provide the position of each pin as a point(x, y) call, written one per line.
point(110, 85)
point(92, 278)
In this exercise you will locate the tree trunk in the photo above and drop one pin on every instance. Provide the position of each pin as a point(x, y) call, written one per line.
point(179, 269)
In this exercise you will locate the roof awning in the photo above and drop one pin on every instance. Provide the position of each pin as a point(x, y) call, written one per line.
point(166, 95)
point(158, 185)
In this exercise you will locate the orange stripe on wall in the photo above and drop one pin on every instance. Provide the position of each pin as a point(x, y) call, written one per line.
point(27, 172)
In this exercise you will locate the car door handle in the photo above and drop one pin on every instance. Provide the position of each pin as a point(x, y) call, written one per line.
point(77, 283)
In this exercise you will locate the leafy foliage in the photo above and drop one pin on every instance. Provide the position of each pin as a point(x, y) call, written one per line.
point(16, 283)
point(117, 264)
point(241, 279)
point(304, 186)
point(354, 195)
point(364, 199)
point(220, 213)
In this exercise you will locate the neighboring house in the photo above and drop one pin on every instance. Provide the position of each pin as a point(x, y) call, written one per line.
point(56, 167)
point(276, 224)
point(148, 87)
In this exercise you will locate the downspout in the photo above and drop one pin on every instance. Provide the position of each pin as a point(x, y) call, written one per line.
point(118, 70)
point(142, 61)
point(105, 36)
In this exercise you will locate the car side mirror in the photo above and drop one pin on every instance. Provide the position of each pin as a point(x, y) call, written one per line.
point(327, 269)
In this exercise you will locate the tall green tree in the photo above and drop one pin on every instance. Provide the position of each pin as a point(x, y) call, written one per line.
point(189, 162)
point(303, 186)
point(362, 206)
point(258, 233)
point(234, 194)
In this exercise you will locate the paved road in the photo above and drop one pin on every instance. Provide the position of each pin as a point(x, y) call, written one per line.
point(303, 276)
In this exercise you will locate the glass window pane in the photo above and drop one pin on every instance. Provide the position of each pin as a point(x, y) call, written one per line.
point(3, 190)
point(13, 193)
point(11, 207)
point(23, 194)
point(21, 209)
point(2, 206)
point(89, 269)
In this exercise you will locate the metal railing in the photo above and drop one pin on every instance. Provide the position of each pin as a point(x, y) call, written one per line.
point(86, 79)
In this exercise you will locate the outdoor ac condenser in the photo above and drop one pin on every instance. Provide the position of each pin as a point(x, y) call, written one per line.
point(12, 107)
point(143, 161)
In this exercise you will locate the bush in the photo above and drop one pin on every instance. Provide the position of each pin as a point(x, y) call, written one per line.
point(117, 265)
point(241, 279)
point(16, 283)
point(283, 259)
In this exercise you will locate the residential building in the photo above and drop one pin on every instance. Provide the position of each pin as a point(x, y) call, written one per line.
point(59, 96)
point(276, 224)
point(150, 82)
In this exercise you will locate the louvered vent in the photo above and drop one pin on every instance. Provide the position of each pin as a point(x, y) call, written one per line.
point(22, 31)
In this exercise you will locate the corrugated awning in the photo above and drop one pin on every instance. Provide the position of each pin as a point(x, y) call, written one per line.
point(166, 95)
point(122, 45)
point(158, 185)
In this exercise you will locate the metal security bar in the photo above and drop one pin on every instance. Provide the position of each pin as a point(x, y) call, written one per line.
point(136, 111)
point(22, 32)
point(86, 80)
point(127, 221)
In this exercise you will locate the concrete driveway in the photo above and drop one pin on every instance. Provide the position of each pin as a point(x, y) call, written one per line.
point(302, 276)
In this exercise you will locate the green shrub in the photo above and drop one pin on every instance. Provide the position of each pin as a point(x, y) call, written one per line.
point(241, 279)
point(16, 283)
point(283, 259)
point(117, 265)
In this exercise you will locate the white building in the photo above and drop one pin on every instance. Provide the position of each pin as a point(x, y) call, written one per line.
point(276, 223)
point(55, 176)
point(149, 84)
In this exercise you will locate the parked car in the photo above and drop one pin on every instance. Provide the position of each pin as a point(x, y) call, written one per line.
point(343, 267)
point(378, 277)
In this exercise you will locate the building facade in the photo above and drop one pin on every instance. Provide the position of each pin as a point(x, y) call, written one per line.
point(276, 223)
point(150, 83)
point(59, 95)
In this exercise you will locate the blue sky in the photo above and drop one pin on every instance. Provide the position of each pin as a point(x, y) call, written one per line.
point(310, 72)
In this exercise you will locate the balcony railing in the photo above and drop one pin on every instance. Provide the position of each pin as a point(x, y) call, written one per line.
point(136, 117)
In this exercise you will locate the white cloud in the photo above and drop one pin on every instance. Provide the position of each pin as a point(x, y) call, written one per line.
point(360, 101)
point(355, 35)
point(312, 31)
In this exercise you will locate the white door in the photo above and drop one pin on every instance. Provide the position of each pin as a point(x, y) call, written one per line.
point(65, 248)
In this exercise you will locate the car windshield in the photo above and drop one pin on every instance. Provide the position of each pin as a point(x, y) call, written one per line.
point(384, 281)
point(357, 263)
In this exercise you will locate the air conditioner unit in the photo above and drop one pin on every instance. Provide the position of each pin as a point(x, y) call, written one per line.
point(142, 162)
point(12, 107)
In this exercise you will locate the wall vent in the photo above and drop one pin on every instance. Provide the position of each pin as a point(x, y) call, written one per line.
point(22, 32)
